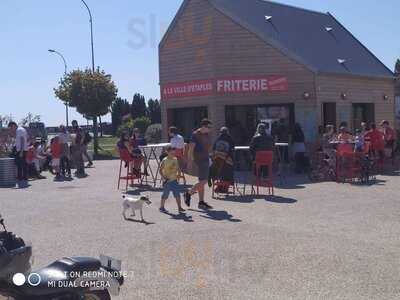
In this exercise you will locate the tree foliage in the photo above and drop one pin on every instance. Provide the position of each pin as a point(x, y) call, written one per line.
point(92, 94)
point(129, 124)
point(138, 107)
point(119, 110)
point(142, 123)
point(154, 111)
point(153, 134)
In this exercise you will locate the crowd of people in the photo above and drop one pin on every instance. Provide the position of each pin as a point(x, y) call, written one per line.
point(380, 141)
point(212, 160)
point(66, 149)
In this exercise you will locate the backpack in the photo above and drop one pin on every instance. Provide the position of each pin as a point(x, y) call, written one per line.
point(222, 146)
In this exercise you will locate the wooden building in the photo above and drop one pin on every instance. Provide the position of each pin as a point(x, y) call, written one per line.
point(239, 62)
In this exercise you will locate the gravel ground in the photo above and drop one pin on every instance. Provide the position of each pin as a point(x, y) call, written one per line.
point(313, 241)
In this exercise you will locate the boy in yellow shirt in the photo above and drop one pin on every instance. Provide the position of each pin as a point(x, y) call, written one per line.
point(169, 171)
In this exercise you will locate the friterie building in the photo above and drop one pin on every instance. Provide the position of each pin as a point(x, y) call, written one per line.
point(239, 62)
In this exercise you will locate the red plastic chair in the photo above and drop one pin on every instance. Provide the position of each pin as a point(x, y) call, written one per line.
point(181, 157)
point(348, 165)
point(264, 159)
point(127, 160)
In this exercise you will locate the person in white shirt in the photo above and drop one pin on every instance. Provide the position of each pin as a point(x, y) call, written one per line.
point(177, 140)
point(178, 143)
point(21, 149)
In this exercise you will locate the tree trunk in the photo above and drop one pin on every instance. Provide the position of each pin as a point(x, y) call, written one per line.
point(101, 127)
point(95, 136)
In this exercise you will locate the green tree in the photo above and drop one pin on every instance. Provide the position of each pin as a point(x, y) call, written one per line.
point(142, 123)
point(92, 94)
point(129, 124)
point(154, 111)
point(119, 110)
point(138, 107)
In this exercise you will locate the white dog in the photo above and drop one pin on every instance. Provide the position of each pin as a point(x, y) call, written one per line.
point(134, 204)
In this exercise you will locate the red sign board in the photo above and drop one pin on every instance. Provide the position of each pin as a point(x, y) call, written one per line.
point(255, 84)
point(187, 89)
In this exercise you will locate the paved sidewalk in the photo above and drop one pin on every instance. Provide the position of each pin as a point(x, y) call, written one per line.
point(313, 241)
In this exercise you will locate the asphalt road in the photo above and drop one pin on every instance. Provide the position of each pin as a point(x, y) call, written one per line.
point(314, 241)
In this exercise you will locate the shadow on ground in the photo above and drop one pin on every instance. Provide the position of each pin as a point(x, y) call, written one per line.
point(179, 217)
point(139, 221)
point(253, 198)
point(217, 215)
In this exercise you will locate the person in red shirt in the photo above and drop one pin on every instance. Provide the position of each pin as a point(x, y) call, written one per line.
point(56, 151)
point(389, 137)
point(377, 141)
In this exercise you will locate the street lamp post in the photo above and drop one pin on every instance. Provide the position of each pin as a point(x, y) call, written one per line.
point(91, 32)
point(93, 66)
point(65, 73)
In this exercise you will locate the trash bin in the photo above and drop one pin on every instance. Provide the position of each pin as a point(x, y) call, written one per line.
point(8, 172)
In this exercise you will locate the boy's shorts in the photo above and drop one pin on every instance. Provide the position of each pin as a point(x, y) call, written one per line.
point(171, 186)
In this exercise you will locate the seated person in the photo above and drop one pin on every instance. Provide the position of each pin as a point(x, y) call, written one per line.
point(135, 142)
point(359, 141)
point(33, 159)
point(344, 136)
point(222, 167)
point(261, 142)
point(328, 137)
point(123, 143)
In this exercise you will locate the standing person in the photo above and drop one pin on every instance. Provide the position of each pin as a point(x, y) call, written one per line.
point(389, 135)
point(364, 128)
point(169, 170)
point(77, 149)
point(87, 139)
point(199, 151)
point(56, 152)
point(64, 139)
point(21, 149)
point(299, 148)
point(377, 141)
point(282, 136)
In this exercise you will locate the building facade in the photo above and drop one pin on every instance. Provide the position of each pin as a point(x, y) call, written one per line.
point(246, 61)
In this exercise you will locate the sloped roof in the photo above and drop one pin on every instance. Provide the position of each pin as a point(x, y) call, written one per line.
point(314, 39)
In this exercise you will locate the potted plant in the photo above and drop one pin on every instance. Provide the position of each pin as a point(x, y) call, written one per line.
point(7, 164)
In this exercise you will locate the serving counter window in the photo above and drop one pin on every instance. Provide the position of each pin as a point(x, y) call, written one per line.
point(187, 119)
point(242, 120)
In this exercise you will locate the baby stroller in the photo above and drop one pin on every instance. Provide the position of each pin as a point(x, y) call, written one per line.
point(221, 174)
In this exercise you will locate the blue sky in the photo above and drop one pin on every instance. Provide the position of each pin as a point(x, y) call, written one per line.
point(126, 37)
